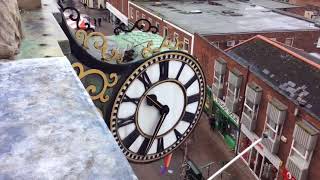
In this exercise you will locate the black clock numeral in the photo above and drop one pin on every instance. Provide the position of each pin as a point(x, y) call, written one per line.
point(143, 147)
point(144, 78)
point(178, 134)
point(129, 99)
point(193, 98)
point(125, 121)
point(127, 141)
point(180, 70)
point(164, 70)
point(188, 84)
point(160, 146)
point(188, 117)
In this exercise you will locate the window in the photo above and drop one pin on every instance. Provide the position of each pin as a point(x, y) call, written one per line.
point(231, 43)
point(131, 12)
point(273, 39)
point(175, 35)
point(218, 78)
point(143, 17)
point(216, 43)
point(250, 109)
point(186, 44)
point(289, 41)
point(233, 91)
point(137, 15)
point(150, 20)
point(165, 32)
point(272, 129)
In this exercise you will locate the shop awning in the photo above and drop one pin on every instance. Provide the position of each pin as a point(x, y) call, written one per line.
point(123, 18)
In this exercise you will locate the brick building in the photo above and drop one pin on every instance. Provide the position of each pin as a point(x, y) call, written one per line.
point(272, 89)
point(225, 23)
point(303, 2)
point(117, 10)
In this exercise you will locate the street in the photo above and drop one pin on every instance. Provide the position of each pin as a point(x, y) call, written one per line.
point(106, 28)
point(205, 147)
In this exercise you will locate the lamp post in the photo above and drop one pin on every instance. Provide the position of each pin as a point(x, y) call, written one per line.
point(237, 157)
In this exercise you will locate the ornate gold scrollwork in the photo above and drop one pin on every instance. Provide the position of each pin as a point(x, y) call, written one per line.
point(165, 45)
point(108, 82)
point(101, 45)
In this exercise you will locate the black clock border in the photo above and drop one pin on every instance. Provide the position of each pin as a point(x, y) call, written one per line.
point(167, 55)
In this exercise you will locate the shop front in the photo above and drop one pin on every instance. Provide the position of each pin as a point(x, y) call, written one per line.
point(263, 164)
point(226, 123)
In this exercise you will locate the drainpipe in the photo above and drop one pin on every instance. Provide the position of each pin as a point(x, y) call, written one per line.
point(237, 157)
point(239, 132)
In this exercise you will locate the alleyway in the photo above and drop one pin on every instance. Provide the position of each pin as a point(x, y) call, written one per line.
point(205, 147)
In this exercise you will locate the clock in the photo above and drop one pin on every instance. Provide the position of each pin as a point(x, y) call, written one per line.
point(158, 106)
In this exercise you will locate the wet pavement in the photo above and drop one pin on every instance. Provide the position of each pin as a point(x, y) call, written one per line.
point(206, 146)
point(106, 27)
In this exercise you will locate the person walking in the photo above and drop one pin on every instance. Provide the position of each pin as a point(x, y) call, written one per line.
point(99, 21)
point(95, 22)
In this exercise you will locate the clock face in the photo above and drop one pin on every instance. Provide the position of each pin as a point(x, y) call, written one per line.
point(158, 106)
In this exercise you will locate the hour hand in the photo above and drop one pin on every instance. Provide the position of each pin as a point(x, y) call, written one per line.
point(152, 101)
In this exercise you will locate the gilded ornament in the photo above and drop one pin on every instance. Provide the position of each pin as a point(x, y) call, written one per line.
point(108, 82)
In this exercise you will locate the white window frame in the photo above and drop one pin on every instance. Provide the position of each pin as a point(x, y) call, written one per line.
point(185, 43)
point(175, 35)
point(235, 93)
point(305, 156)
point(277, 131)
point(291, 39)
point(231, 43)
point(137, 15)
point(254, 111)
point(165, 31)
point(143, 16)
point(131, 12)
point(273, 39)
point(218, 80)
point(216, 43)
point(150, 20)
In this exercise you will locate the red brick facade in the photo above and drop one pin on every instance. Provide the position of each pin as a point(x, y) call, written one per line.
point(121, 5)
point(305, 40)
point(207, 54)
point(305, 2)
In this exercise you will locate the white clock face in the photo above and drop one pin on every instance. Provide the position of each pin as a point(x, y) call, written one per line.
point(158, 106)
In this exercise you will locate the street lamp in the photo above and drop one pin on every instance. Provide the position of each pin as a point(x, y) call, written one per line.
point(237, 157)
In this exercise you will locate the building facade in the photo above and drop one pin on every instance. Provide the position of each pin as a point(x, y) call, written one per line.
point(267, 101)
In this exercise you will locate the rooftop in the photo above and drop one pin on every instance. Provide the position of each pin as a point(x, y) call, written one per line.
point(224, 17)
point(288, 72)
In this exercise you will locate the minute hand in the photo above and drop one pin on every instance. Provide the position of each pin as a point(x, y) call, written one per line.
point(164, 113)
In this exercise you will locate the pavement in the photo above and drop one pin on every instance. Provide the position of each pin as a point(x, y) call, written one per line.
point(206, 146)
point(106, 27)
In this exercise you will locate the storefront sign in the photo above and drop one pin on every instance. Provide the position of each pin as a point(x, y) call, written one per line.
point(223, 106)
point(287, 175)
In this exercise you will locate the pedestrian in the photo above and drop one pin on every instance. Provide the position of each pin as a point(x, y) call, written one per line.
point(212, 122)
point(85, 5)
point(99, 21)
point(95, 22)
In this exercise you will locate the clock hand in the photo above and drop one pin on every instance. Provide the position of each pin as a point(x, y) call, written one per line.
point(164, 111)
point(152, 101)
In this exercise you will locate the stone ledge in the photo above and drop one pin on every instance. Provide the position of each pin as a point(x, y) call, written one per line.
point(49, 127)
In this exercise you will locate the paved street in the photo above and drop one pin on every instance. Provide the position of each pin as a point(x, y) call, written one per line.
point(206, 146)
point(106, 27)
